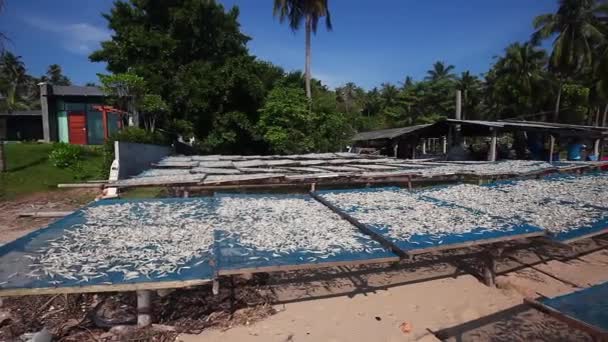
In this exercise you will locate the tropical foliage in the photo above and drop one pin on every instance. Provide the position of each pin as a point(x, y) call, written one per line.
point(185, 66)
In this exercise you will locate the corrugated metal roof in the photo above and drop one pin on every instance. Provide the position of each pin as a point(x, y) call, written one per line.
point(35, 112)
point(76, 91)
point(559, 125)
point(386, 133)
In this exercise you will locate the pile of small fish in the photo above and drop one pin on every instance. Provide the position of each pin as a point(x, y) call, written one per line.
point(505, 167)
point(284, 225)
point(128, 240)
point(534, 201)
point(589, 189)
point(405, 214)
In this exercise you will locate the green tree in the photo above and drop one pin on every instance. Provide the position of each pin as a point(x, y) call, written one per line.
point(286, 121)
point(440, 72)
point(290, 124)
point(126, 91)
point(470, 86)
point(153, 107)
point(577, 30)
point(3, 38)
point(54, 75)
point(517, 83)
point(308, 12)
point(13, 82)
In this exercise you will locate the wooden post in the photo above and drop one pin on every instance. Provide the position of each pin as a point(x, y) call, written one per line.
point(414, 151)
point(313, 187)
point(551, 148)
point(423, 146)
point(186, 193)
point(596, 148)
point(458, 116)
point(445, 145)
point(493, 146)
point(144, 317)
point(216, 287)
point(395, 148)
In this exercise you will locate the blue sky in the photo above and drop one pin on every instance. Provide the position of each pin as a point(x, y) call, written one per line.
point(372, 41)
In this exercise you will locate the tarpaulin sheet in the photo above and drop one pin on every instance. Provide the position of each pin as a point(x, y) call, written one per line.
point(599, 226)
point(589, 305)
point(233, 255)
point(17, 256)
point(419, 242)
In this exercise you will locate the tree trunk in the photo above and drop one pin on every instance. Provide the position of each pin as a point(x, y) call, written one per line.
point(558, 102)
point(307, 73)
point(2, 157)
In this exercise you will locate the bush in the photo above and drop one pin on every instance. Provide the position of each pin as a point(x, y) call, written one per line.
point(129, 134)
point(65, 155)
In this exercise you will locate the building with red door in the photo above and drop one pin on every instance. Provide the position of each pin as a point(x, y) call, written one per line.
point(77, 115)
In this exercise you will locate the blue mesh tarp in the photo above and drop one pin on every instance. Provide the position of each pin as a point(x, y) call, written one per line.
point(15, 263)
point(417, 243)
point(574, 233)
point(232, 255)
point(589, 305)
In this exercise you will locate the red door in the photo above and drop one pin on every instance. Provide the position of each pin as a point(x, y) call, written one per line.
point(77, 128)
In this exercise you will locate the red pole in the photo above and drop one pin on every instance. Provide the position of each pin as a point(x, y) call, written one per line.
point(104, 117)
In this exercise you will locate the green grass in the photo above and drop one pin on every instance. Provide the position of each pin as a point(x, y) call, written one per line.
point(29, 169)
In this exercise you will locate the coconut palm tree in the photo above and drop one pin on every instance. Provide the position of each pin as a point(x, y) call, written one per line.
point(469, 85)
point(440, 72)
point(517, 79)
point(54, 75)
point(12, 80)
point(308, 12)
point(577, 30)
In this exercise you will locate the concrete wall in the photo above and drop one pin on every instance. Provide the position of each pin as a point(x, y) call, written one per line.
point(134, 158)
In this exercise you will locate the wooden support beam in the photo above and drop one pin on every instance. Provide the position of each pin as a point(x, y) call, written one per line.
point(596, 149)
point(445, 145)
point(216, 287)
point(551, 148)
point(46, 214)
point(81, 185)
point(144, 308)
point(597, 333)
point(493, 146)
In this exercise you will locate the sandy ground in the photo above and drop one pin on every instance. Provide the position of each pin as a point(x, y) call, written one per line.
point(13, 227)
point(437, 301)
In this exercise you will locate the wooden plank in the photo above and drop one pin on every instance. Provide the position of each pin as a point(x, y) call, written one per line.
point(598, 332)
point(159, 181)
point(158, 285)
point(249, 163)
point(215, 171)
point(375, 167)
point(81, 185)
point(49, 214)
point(262, 170)
point(216, 179)
point(474, 243)
point(340, 168)
point(586, 236)
point(216, 164)
point(379, 238)
point(282, 268)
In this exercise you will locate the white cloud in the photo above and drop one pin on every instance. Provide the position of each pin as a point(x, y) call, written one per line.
point(79, 38)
